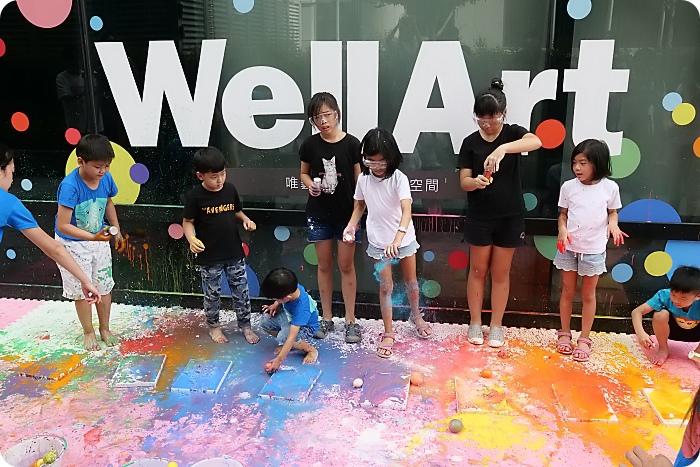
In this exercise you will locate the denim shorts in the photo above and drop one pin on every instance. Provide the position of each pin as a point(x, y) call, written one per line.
point(280, 324)
point(583, 263)
point(319, 231)
point(404, 251)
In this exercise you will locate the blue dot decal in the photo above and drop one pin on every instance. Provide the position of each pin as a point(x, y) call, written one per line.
point(243, 6)
point(96, 23)
point(26, 184)
point(428, 256)
point(671, 101)
point(11, 254)
point(622, 272)
point(579, 9)
point(282, 233)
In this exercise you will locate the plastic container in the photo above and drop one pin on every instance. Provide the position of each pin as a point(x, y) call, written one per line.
point(217, 462)
point(30, 450)
point(113, 230)
point(155, 462)
point(317, 183)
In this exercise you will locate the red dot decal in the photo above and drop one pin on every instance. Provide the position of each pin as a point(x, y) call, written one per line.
point(72, 136)
point(2, 48)
point(458, 259)
point(20, 122)
point(551, 133)
point(246, 249)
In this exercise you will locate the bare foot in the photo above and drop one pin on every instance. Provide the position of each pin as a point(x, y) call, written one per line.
point(659, 357)
point(311, 356)
point(217, 336)
point(108, 338)
point(90, 342)
point(250, 335)
point(278, 349)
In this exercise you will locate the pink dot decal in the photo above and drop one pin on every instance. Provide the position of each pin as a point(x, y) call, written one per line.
point(45, 13)
point(458, 259)
point(20, 121)
point(175, 231)
point(551, 132)
point(246, 248)
point(72, 136)
point(2, 48)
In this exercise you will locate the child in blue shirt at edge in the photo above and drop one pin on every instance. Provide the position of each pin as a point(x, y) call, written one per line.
point(84, 198)
point(295, 327)
point(676, 313)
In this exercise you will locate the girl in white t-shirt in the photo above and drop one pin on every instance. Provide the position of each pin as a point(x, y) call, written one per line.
point(386, 193)
point(588, 217)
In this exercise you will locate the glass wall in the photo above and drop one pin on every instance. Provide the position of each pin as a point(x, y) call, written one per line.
point(170, 76)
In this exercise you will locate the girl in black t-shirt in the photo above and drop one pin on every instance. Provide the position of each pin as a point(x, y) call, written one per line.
point(489, 163)
point(333, 158)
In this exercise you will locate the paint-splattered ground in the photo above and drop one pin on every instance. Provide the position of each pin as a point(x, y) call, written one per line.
point(521, 423)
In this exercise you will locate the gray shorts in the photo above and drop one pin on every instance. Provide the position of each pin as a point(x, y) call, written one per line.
point(583, 263)
point(404, 251)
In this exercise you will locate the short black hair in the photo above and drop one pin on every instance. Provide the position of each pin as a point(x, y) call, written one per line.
point(686, 279)
point(279, 283)
point(93, 147)
point(597, 153)
point(317, 101)
point(490, 101)
point(381, 141)
point(208, 160)
point(6, 156)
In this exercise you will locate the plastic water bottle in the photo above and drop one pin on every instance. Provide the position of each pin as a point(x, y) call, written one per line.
point(317, 183)
point(113, 230)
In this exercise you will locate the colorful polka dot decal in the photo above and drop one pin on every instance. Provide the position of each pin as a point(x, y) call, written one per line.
point(11, 254)
point(579, 9)
point(96, 23)
point(243, 6)
point(671, 101)
point(683, 253)
point(458, 259)
point(282, 233)
point(683, 114)
point(551, 133)
point(649, 210)
point(139, 173)
point(546, 245)
point(310, 254)
point(45, 13)
point(3, 49)
point(431, 288)
point(175, 231)
point(622, 272)
point(246, 248)
point(428, 256)
point(530, 201)
point(26, 184)
point(20, 121)
point(658, 263)
point(72, 136)
point(627, 162)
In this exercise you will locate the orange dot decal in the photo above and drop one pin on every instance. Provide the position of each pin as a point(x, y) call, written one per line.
point(458, 259)
point(551, 132)
point(696, 147)
point(20, 121)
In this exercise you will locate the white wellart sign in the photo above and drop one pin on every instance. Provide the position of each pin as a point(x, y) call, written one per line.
point(442, 62)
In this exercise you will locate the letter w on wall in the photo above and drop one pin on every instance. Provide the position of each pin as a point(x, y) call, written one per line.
point(164, 75)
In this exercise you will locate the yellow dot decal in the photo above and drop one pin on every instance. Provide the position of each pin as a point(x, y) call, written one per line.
point(128, 189)
point(683, 113)
point(658, 263)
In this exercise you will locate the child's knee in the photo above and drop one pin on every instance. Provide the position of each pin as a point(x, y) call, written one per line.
point(660, 317)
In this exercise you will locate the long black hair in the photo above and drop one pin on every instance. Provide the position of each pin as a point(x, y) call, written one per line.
point(381, 141)
point(491, 101)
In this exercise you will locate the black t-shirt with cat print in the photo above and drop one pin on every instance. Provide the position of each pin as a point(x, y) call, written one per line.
point(334, 164)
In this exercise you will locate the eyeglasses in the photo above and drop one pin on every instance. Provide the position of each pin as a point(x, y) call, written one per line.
point(489, 122)
point(319, 118)
point(370, 164)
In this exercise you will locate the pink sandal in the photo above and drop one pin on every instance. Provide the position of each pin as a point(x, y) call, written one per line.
point(421, 327)
point(387, 348)
point(564, 346)
point(586, 353)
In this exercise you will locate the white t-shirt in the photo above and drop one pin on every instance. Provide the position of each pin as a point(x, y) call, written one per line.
point(588, 213)
point(383, 198)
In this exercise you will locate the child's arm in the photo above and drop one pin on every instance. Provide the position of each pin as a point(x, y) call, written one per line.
point(529, 142)
point(248, 224)
point(358, 210)
point(469, 183)
point(642, 336)
point(276, 362)
point(614, 230)
point(563, 236)
point(305, 177)
point(66, 228)
point(111, 212)
point(358, 170)
point(392, 250)
point(196, 245)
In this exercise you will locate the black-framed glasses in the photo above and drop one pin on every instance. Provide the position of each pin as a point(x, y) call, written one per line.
point(489, 122)
point(319, 118)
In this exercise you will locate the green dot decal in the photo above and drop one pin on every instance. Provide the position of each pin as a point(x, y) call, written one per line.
point(431, 289)
point(530, 201)
point(310, 254)
point(546, 245)
point(628, 161)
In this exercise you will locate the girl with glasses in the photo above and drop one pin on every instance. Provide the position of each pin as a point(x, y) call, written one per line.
point(332, 156)
point(490, 168)
point(385, 191)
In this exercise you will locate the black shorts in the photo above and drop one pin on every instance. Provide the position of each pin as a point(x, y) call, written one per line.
point(681, 334)
point(504, 232)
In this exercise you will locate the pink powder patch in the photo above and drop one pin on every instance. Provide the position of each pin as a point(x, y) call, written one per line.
point(12, 309)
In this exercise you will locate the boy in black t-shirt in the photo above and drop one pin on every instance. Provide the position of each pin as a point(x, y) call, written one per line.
point(213, 210)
